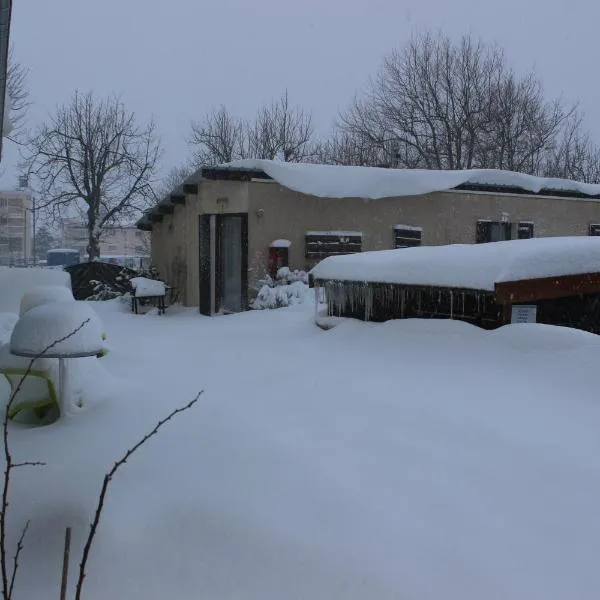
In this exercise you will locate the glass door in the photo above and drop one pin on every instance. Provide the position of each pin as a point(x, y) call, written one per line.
point(231, 263)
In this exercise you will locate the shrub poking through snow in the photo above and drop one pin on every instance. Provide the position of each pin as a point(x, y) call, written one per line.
point(288, 288)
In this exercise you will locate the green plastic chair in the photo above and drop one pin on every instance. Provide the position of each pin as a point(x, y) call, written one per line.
point(37, 392)
point(42, 394)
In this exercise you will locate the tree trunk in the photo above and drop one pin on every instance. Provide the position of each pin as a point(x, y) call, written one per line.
point(93, 247)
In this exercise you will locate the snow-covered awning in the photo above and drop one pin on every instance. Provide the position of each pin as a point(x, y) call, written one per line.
point(467, 266)
point(335, 181)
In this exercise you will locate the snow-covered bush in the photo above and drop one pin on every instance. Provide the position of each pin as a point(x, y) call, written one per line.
point(289, 287)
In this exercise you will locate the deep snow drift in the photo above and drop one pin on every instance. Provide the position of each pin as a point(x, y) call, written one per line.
point(415, 459)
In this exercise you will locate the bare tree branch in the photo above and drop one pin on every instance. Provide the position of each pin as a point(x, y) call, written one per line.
point(281, 131)
point(8, 579)
point(107, 479)
point(93, 156)
point(219, 138)
point(16, 559)
point(17, 95)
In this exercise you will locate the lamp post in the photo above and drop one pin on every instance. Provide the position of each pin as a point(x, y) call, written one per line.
point(24, 185)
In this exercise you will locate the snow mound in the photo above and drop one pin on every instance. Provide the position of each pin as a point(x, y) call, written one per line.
point(470, 266)
point(279, 296)
point(335, 181)
point(549, 338)
point(44, 325)
point(288, 288)
point(43, 295)
point(15, 282)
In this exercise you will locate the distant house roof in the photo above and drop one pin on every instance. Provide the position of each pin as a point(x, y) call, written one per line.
point(373, 183)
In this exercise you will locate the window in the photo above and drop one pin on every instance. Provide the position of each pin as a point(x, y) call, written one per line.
point(407, 236)
point(492, 231)
point(594, 229)
point(321, 244)
point(525, 230)
point(3, 219)
point(3, 202)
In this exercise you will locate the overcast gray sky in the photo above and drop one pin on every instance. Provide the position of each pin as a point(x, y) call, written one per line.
point(176, 59)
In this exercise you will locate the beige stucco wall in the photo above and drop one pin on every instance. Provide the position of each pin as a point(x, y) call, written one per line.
point(446, 218)
point(175, 243)
point(275, 212)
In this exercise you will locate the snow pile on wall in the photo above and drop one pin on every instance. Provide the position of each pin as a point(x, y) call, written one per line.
point(470, 266)
point(15, 282)
point(289, 287)
point(335, 181)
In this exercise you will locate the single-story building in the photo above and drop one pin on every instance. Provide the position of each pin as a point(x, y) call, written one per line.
point(555, 281)
point(218, 235)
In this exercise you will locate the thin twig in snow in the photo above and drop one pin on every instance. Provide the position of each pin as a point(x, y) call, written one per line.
point(107, 479)
point(16, 559)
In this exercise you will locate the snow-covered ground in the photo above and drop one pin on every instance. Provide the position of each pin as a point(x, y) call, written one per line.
point(414, 459)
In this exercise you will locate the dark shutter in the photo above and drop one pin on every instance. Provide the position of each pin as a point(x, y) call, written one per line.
point(483, 233)
point(525, 231)
point(320, 245)
point(407, 237)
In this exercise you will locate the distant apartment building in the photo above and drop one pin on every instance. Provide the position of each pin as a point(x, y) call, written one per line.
point(16, 227)
point(115, 241)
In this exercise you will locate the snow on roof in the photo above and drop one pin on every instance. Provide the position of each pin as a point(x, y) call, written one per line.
point(281, 244)
point(412, 227)
point(336, 233)
point(335, 181)
point(469, 266)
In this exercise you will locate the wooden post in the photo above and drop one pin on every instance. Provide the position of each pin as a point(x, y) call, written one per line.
point(65, 567)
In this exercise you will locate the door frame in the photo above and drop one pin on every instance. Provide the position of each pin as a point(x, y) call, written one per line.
point(209, 264)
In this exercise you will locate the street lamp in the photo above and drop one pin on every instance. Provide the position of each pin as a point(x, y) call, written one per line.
point(24, 185)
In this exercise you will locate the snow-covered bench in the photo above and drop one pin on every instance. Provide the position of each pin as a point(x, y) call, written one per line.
point(143, 288)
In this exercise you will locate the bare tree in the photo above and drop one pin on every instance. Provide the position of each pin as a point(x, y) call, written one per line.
point(279, 130)
point(218, 138)
point(283, 131)
point(575, 155)
point(174, 178)
point(345, 148)
point(94, 156)
point(444, 105)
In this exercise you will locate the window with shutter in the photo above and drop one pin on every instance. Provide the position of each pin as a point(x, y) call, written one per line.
point(594, 229)
point(321, 244)
point(525, 230)
point(407, 236)
point(492, 231)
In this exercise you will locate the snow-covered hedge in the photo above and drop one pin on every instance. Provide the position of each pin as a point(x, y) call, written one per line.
point(289, 287)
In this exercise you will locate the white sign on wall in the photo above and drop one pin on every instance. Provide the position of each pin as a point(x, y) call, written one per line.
point(524, 313)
